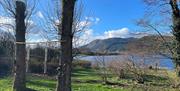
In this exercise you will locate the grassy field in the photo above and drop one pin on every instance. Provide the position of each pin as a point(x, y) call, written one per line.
point(88, 80)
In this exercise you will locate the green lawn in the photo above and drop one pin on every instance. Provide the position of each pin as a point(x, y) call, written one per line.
point(88, 80)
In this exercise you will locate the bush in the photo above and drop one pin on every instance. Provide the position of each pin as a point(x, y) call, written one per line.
point(81, 63)
point(119, 68)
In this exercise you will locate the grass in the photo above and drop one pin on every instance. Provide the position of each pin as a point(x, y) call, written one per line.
point(88, 80)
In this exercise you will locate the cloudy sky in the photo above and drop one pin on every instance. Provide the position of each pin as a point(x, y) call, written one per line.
point(114, 18)
point(106, 19)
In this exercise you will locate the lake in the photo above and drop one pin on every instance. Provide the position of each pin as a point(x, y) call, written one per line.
point(163, 62)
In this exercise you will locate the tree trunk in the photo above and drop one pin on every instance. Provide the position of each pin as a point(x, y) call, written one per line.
point(27, 59)
point(19, 75)
point(176, 31)
point(45, 60)
point(64, 72)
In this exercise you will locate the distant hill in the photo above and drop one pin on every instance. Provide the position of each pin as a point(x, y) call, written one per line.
point(110, 45)
point(117, 45)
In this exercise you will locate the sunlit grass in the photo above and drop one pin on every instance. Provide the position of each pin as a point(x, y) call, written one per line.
point(155, 82)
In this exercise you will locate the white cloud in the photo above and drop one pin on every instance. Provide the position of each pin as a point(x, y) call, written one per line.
point(138, 34)
point(97, 20)
point(89, 35)
point(6, 20)
point(93, 20)
point(39, 14)
point(6, 24)
point(36, 40)
point(84, 23)
point(86, 37)
point(90, 18)
point(123, 33)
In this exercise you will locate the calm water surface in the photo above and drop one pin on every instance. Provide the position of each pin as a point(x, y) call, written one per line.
point(162, 61)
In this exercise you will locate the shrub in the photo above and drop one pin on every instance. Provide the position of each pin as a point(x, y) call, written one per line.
point(138, 68)
point(118, 68)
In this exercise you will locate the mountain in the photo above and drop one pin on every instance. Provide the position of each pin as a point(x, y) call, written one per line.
point(110, 45)
point(117, 45)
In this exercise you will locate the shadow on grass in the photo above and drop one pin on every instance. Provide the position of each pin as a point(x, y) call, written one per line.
point(87, 81)
point(150, 78)
point(42, 84)
point(83, 72)
point(28, 89)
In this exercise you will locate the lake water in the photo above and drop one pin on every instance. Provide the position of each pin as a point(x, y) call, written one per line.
point(163, 62)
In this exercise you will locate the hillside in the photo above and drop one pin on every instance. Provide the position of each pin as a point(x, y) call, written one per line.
point(117, 45)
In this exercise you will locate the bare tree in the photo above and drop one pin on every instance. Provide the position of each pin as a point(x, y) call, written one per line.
point(18, 10)
point(54, 28)
point(169, 10)
point(176, 31)
point(64, 75)
point(52, 24)
point(53, 21)
point(19, 77)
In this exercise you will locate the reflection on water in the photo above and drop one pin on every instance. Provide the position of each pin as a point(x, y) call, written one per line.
point(160, 60)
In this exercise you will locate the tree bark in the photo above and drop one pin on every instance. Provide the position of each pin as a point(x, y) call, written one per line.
point(19, 75)
point(64, 72)
point(176, 32)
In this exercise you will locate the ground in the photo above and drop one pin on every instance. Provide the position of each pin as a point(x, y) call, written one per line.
point(88, 80)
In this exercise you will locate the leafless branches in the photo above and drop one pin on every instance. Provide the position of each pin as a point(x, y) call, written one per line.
point(9, 17)
point(147, 24)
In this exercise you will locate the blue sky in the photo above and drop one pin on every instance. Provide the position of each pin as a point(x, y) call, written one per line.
point(116, 18)
point(107, 18)
point(114, 14)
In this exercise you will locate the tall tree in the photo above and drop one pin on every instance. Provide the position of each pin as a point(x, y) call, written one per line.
point(64, 75)
point(176, 31)
point(19, 75)
point(20, 11)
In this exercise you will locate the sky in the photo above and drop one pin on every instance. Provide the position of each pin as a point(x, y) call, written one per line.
point(114, 14)
point(116, 18)
point(106, 18)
